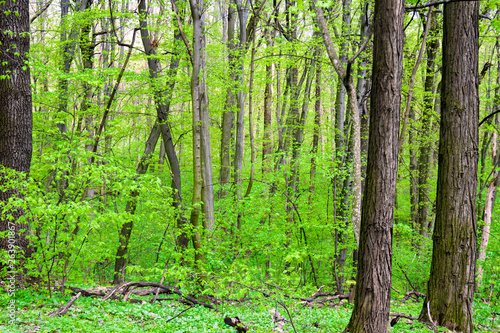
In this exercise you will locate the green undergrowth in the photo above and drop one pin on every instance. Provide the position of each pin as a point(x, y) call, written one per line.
point(93, 315)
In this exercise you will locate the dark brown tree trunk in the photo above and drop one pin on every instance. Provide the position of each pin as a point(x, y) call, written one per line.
point(451, 284)
point(15, 124)
point(373, 282)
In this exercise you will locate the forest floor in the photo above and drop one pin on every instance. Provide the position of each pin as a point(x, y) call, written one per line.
point(92, 314)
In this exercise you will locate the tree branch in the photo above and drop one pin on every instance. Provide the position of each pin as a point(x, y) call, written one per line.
point(325, 33)
point(435, 3)
point(488, 117)
point(41, 11)
point(179, 26)
point(363, 46)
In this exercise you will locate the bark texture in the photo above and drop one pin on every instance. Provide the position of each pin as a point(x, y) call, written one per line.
point(15, 115)
point(451, 284)
point(373, 282)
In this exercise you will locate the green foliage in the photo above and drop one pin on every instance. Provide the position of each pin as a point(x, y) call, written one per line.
point(91, 314)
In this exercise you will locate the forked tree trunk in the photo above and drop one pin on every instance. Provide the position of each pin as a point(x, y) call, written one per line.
point(451, 284)
point(373, 282)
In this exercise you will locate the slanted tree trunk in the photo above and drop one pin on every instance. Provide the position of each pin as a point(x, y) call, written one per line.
point(16, 124)
point(161, 126)
point(373, 282)
point(451, 284)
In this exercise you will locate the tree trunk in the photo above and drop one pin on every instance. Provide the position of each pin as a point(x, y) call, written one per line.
point(228, 114)
point(492, 187)
point(426, 141)
point(16, 124)
point(240, 98)
point(373, 282)
point(451, 284)
point(201, 140)
point(343, 153)
point(161, 126)
point(68, 53)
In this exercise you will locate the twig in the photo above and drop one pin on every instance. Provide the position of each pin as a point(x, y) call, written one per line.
point(177, 315)
point(406, 276)
point(289, 316)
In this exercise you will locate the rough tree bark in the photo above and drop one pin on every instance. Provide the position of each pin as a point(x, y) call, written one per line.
point(373, 282)
point(451, 284)
point(15, 122)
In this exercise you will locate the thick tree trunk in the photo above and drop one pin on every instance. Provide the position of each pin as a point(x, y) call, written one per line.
point(373, 282)
point(451, 284)
point(15, 124)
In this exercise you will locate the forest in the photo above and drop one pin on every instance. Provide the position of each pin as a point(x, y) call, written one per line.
point(249, 166)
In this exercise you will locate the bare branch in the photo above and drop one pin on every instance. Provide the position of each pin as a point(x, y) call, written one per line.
point(41, 11)
point(434, 3)
point(363, 46)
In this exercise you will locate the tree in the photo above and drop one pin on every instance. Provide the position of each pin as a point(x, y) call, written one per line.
point(373, 281)
point(15, 119)
point(424, 159)
point(451, 284)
